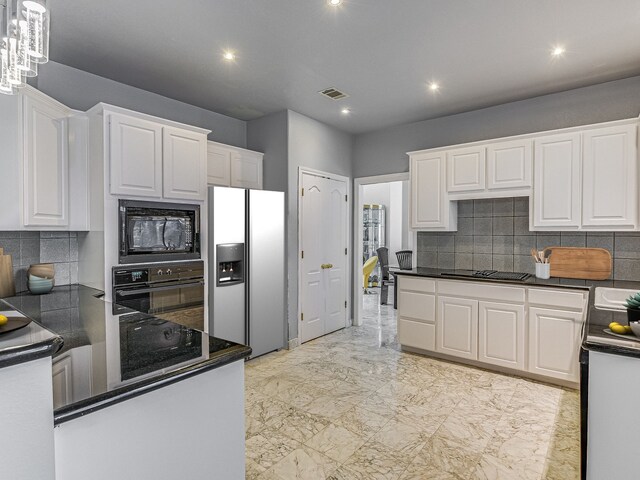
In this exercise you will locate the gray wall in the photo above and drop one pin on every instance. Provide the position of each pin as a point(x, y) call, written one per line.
point(494, 234)
point(269, 135)
point(384, 151)
point(27, 248)
point(318, 146)
point(81, 90)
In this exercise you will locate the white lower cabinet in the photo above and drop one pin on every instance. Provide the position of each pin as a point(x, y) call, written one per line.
point(554, 340)
point(417, 313)
point(501, 335)
point(457, 327)
point(62, 381)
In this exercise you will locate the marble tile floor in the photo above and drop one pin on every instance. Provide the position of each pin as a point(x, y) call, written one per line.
point(351, 405)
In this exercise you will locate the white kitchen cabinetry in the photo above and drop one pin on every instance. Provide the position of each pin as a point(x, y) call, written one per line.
point(430, 207)
point(149, 158)
point(501, 335)
point(610, 191)
point(554, 340)
point(556, 185)
point(466, 169)
point(509, 164)
point(46, 157)
point(62, 381)
point(184, 164)
point(417, 312)
point(457, 327)
point(229, 166)
point(135, 156)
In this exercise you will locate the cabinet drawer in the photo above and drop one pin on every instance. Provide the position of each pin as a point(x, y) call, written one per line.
point(417, 306)
point(482, 291)
point(416, 334)
point(557, 298)
point(416, 284)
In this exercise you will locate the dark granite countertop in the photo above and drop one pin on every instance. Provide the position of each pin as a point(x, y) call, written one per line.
point(26, 344)
point(116, 357)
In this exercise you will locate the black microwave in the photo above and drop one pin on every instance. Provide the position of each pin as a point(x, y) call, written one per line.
point(158, 231)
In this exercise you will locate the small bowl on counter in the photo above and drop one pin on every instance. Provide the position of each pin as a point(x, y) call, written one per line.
point(40, 278)
point(635, 328)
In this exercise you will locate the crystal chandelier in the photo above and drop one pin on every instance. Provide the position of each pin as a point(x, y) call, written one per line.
point(24, 41)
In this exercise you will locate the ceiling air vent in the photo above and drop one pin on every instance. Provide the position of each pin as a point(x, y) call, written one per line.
point(333, 94)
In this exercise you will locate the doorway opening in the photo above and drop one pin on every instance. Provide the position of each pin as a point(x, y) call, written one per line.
point(381, 206)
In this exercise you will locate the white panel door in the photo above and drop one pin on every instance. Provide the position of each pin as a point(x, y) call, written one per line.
point(509, 164)
point(457, 327)
point(610, 186)
point(466, 169)
point(323, 239)
point(556, 185)
point(246, 170)
point(501, 335)
point(46, 157)
point(312, 295)
point(554, 342)
point(427, 190)
point(184, 164)
point(218, 165)
point(135, 156)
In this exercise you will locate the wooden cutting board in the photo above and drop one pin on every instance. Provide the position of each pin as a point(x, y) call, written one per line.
point(583, 263)
point(7, 287)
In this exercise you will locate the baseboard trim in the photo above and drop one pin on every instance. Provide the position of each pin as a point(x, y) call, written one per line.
point(293, 343)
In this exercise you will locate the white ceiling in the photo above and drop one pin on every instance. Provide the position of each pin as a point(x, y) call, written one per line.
point(382, 53)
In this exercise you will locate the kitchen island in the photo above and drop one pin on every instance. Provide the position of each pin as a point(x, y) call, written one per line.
point(130, 387)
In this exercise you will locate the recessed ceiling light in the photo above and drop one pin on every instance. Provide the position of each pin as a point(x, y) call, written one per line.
point(434, 87)
point(557, 51)
point(335, 3)
point(345, 111)
point(229, 55)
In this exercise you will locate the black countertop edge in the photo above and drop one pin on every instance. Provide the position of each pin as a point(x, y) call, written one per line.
point(82, 408)
point(607, 348)
point(34, 351)
point(530, 282)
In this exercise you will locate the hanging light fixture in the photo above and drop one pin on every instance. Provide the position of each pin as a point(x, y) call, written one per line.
point(24, 41)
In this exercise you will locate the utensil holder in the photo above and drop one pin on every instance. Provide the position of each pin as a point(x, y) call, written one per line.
point(543, 270)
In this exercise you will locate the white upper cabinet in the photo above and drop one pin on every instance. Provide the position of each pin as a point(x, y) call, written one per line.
point(246, 169)
point(610, 193)
point(135, 158)
point(184, 164)
point(556, 185)
point(429, 206)
point(46, 156)
point(509, 164)
point(218, 165)
point(156, 158)
point(466, 169)
point(229, 166)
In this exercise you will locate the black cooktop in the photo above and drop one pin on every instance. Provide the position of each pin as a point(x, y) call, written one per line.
point(487, 274)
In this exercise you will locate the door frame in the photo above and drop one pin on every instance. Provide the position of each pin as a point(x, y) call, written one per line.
point(347, 181)
point(359, 183)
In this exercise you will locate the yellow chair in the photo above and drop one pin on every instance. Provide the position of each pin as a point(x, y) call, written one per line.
point(367, 268)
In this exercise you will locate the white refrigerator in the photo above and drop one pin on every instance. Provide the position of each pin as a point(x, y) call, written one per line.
point(247, 267)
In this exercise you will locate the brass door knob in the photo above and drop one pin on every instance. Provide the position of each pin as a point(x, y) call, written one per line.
point(324, 266)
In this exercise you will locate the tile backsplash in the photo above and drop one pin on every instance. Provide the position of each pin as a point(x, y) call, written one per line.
point(26, 248)
point(494, 234)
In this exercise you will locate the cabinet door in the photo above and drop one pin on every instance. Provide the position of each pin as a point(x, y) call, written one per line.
point(46, 172)
point(427, 191)
point(184, 164)
point(501, 335)
point(62, 381)
point(135, 156)
point(246, 170)
point(416, 313)
point(509, 164)
point(218, 165)
point(610, 191)
point(556, 185)
point(457, 327)
point(466, 169)
point(554, 340)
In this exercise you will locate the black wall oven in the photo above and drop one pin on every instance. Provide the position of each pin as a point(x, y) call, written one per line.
point(158, 231)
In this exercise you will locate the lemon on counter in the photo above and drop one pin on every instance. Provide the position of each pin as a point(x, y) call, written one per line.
point(3, 320)
point(615, 327)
